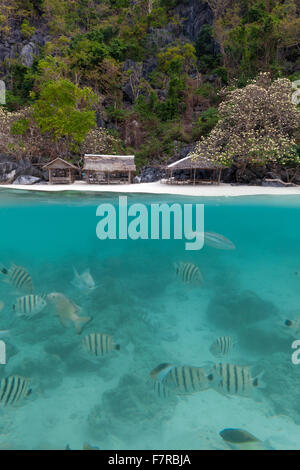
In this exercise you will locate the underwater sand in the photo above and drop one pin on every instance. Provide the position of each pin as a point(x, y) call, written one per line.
point(109, 402)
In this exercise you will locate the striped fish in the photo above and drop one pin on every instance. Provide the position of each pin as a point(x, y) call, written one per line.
point(100, 344)
point(29, 305)
point(232, 379)
point(161, 389)
point(222, 346)
point(13, 389)
point(181, 379)
point(19, 278)
point(188, 272)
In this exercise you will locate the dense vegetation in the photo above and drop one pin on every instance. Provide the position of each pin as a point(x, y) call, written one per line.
point(135, 69)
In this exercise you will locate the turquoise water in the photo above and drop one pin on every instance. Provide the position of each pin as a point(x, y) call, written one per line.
point(109, 402)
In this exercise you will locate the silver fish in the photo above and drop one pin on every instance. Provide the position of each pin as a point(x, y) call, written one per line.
point(84, 281)
point(215, 240)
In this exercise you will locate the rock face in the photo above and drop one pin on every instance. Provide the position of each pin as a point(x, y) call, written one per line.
point(150, 174)
point(16, 47)
point(27, 179)
point(27, 54)
point(196, 13)
point(19, 172)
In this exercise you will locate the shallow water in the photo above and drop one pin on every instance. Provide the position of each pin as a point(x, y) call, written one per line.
point(109, 402)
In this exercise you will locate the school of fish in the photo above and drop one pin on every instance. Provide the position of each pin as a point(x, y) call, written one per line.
point(166, 379)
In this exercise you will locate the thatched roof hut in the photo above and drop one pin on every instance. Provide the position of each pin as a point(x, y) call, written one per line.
point(108, 168)
point(190, 168)
point(61, 171)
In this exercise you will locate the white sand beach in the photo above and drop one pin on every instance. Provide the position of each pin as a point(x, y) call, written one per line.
point(162, 188)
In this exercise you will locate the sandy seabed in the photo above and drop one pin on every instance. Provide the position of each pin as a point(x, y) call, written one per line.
point(199, 418)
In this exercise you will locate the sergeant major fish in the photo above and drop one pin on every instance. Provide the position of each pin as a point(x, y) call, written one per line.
point(100, 344)
point(222, 346)
point(232, 379)
point(18, 277)
point(188, 273)
point(29, 305)
point(13, 389)
point(67, 311)
point(181, 379)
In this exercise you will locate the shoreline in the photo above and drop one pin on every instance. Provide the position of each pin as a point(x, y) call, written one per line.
point(222, 190)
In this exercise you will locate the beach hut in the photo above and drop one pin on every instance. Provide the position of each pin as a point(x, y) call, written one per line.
point(188, 171)
point(108, 169)
point(60, 171)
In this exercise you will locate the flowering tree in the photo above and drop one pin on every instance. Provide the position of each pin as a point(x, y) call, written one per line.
point(256, 126)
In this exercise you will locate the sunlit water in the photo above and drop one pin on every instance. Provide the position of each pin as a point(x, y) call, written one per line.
point(109, 402)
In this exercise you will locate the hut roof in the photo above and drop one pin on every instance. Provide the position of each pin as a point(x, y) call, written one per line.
point(201, 163)
point(59, 163)
point(109, 162)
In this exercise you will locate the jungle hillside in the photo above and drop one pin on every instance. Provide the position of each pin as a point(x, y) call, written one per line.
point(146, 77)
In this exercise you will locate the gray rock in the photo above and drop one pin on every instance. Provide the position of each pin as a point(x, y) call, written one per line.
point(151, 174)
point(11, 176)
point(27, 54)
point(276, 183)
point(128, 92)
point(196, 14)
point(4, 52)
point(27, 179)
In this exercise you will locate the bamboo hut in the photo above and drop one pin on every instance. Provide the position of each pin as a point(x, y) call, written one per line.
point(188, 171)
point(108, 169)
point(60, 171)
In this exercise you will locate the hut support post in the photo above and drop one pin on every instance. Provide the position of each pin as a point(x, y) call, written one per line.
point(194, 175)
point(219, 176)
point(129, 177)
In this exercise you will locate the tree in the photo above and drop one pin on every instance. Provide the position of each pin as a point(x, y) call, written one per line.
point(64, 111)
point(256, 126)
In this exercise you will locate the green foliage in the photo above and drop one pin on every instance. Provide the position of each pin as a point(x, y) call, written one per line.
point(206, 122)
point(26, 30)
point(20, 127)
point(177, 100)
point(207, 57)
point(63, 110)
point(177, 59)
point(22, 84)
